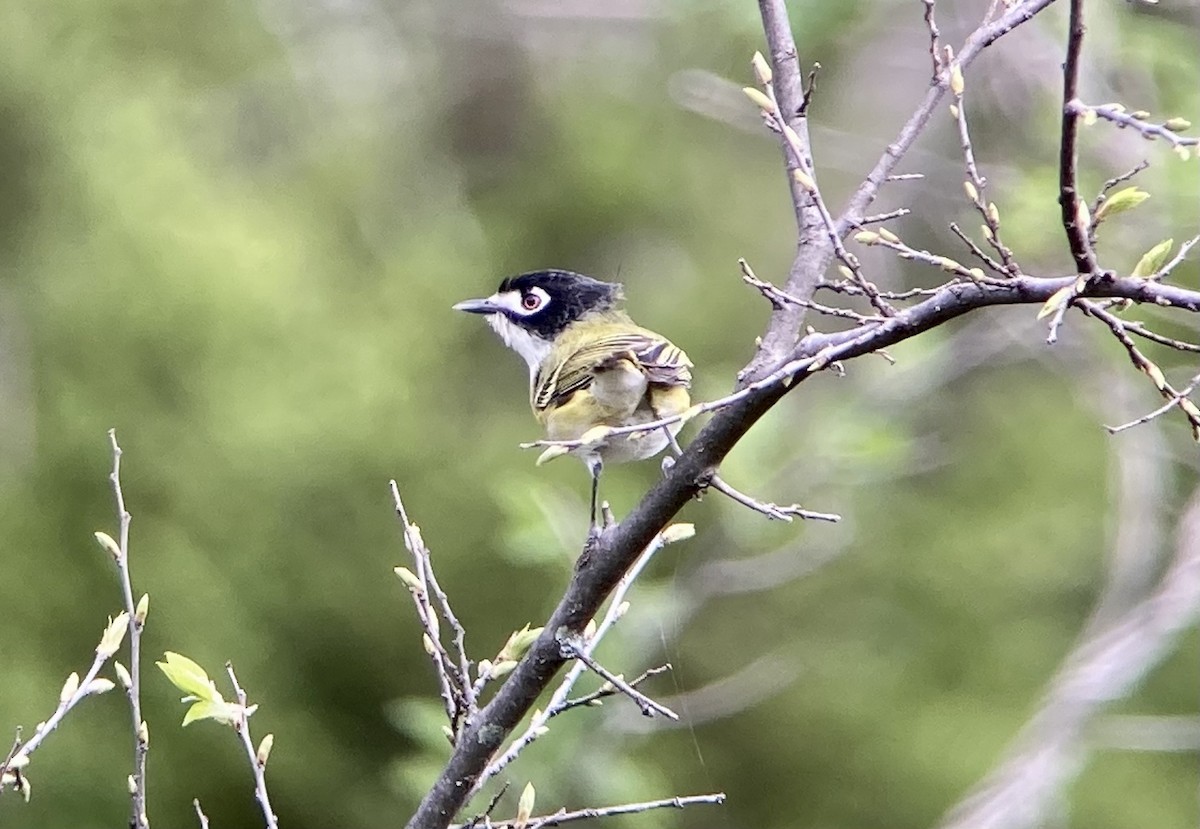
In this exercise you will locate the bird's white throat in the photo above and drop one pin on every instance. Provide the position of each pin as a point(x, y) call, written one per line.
point(532, 348)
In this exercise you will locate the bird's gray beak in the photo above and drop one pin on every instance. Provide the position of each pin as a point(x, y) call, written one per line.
point(477, 306)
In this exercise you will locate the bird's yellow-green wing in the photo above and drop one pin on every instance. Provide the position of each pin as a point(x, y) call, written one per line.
point(663, 363)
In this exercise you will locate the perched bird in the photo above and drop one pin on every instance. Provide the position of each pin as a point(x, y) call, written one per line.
point(590, 365)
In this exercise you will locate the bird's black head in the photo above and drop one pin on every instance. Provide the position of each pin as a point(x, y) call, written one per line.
point(543, 303)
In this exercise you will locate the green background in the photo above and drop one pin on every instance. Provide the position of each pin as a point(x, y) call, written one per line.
point(234, 231)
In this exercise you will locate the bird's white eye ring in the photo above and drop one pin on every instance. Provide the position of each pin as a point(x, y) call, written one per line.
point(531, 301)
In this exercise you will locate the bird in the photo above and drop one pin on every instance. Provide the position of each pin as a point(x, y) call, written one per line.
point(590, 366)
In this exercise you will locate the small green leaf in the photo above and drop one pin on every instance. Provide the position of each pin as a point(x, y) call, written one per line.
point(1055, 301)
point(525, 806)
point(114, 635)
point(223, 712)
point(1153, 259)
point(678, 532)
point(503, 668)
point(189, 677)
point(264, 749)
point(760, 100)
point(519, 642)
point(1121, 201)
point(108, 544)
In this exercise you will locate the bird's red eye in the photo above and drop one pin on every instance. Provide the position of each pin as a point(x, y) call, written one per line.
point(530, 302)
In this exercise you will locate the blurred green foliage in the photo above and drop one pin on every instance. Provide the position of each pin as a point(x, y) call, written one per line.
point(234, 232)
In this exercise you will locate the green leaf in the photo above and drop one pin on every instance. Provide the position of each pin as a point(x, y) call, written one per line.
point(1153, 259)
point(189, 677)
point(1119, 202)
point(223, 712)
point(525, 806)
point(1056, 299)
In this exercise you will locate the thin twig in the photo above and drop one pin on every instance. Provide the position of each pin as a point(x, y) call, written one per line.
point(810, 89)
point(977, 251)
point(887, 239)
point(486, 814)
point(607, 690)
point(1170, 342)
point(777, 297)
point(1102, 196)
point(13, 776)
point(563, 816)
point(454, 683)
point(976, 185)
point(1117, 115)
point(137, 621)
point(1171, 403)
point(1174, 398)
point(934, 34)
point(574, 648)
point(242, 727)
point(876, 218)
point(1174, 261)
point(773, 511)
point(460, 633)
point(200, 816)
point(842, 286)
point(73, 692)
point(12, 752)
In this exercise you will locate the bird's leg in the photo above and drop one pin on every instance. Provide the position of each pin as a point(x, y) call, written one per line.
point(594, 466)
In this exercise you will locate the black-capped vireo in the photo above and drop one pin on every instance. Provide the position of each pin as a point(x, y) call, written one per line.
point(590, 365)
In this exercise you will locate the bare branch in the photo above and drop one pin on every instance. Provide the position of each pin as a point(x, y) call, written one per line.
point(1075, 218)
point(137, 620)
point(1109, 185)
point(1145, 365)
point(777, 297)
point(200, 816)
point(454, 682)
point(976, 251)
point(574, 648)
point(1170, 342)
point(934, 46)
point(1173, 401)
point(976, 185)
point(258, 760)
point(564, 816)
point(877, 218)
point(607, 690)
point(773, 511)
point(1117, 115)
point(73, 692)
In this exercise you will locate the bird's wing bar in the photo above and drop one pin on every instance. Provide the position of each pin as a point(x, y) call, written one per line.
point(664, 364)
